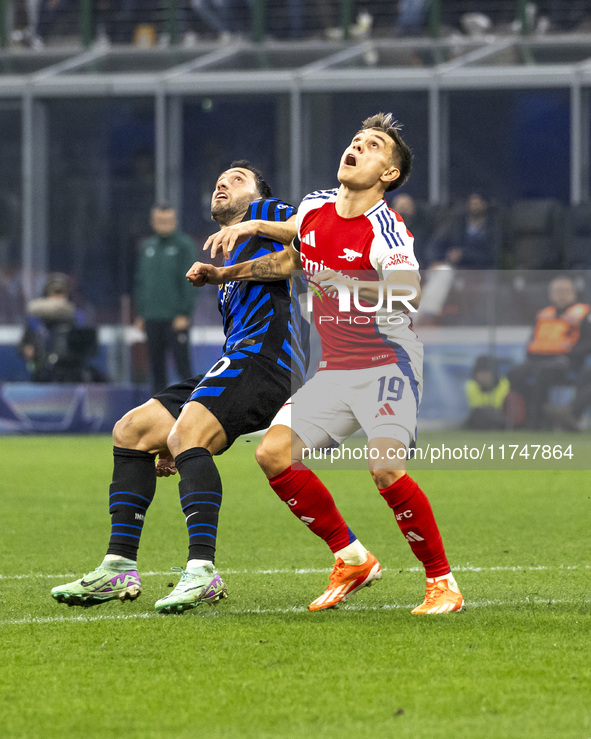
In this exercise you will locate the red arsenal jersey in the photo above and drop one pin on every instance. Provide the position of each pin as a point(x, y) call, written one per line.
point(363, 248)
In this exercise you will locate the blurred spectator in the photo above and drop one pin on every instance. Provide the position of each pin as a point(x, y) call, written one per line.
point(565, 16)
point(308, 18)
point(560, 342)
point(412, 17)
point(11, 295)
point(215, 14)
point(56, 345)
point(470, 238)
point(58, 18)
point(226, 17)
point(164, 298)
point(486, 393)
point(419, 221)
point(570, 415)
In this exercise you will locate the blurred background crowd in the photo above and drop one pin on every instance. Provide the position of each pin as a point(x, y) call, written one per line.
point(148, 22)
point(108, 108)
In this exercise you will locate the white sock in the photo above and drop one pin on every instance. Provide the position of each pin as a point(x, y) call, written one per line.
point(450, 579)
point(194, 564)
point(119, 562)
point(353, 554)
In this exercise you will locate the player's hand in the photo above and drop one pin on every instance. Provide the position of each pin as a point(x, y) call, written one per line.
point(165, 466)
point(328, 277)
point(229, 237)
point(204, 274)
point(180, 323)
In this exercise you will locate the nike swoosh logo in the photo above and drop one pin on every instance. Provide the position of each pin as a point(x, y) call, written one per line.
point(85, 584)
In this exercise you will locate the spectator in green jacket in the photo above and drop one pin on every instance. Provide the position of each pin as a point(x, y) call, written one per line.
point(164, 299)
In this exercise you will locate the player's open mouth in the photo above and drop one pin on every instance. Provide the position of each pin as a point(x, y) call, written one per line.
point(221, 196)
point(350, 160)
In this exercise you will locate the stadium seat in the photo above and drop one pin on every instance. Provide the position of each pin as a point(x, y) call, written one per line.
point(535, 234)
point(577, 237)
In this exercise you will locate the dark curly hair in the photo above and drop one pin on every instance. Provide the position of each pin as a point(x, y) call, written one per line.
point(263, 187)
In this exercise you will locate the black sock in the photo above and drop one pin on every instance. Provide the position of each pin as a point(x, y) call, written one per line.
point(131, 492)
point(200, 490)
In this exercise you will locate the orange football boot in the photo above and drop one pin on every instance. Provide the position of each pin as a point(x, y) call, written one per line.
point(346, 580)
point(442, 596)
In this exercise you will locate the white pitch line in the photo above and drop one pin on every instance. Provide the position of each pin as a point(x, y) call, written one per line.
point(317, 570)
point(32, 620)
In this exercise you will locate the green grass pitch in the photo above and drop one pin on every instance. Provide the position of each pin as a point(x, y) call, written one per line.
point(516, 663)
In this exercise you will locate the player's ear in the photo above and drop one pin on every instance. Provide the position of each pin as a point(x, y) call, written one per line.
point(390, 175)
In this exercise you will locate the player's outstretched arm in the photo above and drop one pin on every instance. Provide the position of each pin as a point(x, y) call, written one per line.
point(407, 285)
point(278, 265)
point(227, 238)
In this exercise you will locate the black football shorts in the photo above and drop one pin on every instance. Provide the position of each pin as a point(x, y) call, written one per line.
point(243, 391)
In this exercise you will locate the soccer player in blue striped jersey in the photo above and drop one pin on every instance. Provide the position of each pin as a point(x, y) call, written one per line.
point(264, 357)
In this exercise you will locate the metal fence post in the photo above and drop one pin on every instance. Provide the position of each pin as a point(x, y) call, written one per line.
point(172, 25)
point(85, 21)
point(258, 21)
point(521, 15)
point(435, 18)
point(3, 24)
point(346, 17)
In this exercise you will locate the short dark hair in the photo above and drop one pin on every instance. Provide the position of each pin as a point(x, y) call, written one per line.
point(384, 122)
point(57, 284)
point(263, 187)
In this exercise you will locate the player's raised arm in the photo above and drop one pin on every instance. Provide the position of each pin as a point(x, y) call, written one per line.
point(230, 236)
point(407, 285)
point(277, 265)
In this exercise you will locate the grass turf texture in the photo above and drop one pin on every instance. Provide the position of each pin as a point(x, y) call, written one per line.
point(516, 663)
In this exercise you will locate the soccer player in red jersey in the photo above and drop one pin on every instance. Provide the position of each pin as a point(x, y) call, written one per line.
point(370, 374)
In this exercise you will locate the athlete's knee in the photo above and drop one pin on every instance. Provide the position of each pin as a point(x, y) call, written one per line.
point(144, 428)
point(384, 478)
point(273, 453)
point(175, 440)
point(126, 432)
point(197, 427)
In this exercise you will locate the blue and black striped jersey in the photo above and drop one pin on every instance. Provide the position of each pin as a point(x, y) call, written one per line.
point(264, 317)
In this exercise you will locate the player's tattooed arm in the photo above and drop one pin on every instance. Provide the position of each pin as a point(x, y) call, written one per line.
point(274, 266)
point(277, 265)
point(267, 268)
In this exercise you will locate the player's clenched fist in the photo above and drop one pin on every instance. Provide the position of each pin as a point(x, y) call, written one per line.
point(203, 274)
